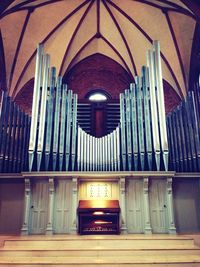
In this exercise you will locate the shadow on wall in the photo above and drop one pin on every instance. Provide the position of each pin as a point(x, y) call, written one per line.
point(186, 194)
point(11, 206)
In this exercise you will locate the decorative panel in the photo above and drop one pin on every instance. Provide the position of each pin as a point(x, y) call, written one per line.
point(158, 206)
point(39, 207)
point(98, 190)
point(62, 206)
point(134, 204)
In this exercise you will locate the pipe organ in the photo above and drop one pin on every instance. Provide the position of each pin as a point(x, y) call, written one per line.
point(184, 136)
point(98, 154)
point(52, 140)
point(14, 136)
point(140, 141)
point(53, 132)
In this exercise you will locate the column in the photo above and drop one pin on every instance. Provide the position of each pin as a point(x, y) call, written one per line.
point(170, 209)
point(27, 199)
point(123, 204)
point(147, 223)
point(74, 205)
point(49, 229)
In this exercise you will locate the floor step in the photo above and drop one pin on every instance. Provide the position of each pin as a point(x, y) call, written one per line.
point(118, 259)
point(102, 251)
point(98, 253)
point(94, 244)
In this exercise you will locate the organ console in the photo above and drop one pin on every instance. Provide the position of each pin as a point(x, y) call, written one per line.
point(98, 216)
point(145, 138)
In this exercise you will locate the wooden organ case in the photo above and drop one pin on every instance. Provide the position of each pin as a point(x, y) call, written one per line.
point(98, 217)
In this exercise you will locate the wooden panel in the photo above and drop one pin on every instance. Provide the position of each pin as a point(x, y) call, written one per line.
point(62, 207)
point(39, 207)
point(135, 211)
point(158, 206)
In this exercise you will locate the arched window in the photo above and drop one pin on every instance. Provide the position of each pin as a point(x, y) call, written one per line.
point(97, 95)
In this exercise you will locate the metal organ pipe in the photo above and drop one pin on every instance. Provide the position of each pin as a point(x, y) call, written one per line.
point(145, 138)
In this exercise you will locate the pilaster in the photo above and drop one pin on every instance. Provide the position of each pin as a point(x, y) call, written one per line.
point(73, 229)
point(147, 223)
point(49, 229)
point(27, 199)
point(172, 228)
point(122, 188)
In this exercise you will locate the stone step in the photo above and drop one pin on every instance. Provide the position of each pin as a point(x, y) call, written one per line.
point(97, 253)
point(98, 244)
point(104, 260)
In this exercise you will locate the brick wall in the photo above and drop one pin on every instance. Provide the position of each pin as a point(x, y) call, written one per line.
point(96, 72)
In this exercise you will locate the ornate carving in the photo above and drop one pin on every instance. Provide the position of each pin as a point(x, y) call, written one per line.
point(74, 185)
point(51, 185)
point(27, 185)
point(169, 185)
point(122, 185)
point(146, 185)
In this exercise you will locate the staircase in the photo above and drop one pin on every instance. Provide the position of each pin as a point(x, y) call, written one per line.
point(102, 250)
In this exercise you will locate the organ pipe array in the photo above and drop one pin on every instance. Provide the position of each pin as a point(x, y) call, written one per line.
point(98, 154)
point(14, 136)
point(53, 140)
point(184, 136)
point(140, 142)
point(53, 132)
point(144, 143)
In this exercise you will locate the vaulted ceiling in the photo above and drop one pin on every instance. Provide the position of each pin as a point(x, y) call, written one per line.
point(72, 30)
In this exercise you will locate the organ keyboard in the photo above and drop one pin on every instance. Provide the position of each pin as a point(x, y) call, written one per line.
point(98, 216)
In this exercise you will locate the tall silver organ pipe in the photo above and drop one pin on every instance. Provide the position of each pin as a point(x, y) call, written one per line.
point(35, 104)
point(139, 142)
point(14, 136)
point(53, 132)
point(184, 136)
point(144, 144)
point(145, 138)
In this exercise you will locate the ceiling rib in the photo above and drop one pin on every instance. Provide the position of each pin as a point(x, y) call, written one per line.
point(45, 39)
point(193, 6)
point(15, 8)
point(171, 4)
point(122, 36)
point(149, 3)
point(150, 40)
point(3, 65)
point(177, 9)
point(109, 44)
point(79, 51)
point(98, 17)
point(74, 35)
point(22, 6)
point(4, 5)
point(176, 46)
point(45, 3)
point(18, 47)
point(119, 55)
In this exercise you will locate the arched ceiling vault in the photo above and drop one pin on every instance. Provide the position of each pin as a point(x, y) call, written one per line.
point(72, 30)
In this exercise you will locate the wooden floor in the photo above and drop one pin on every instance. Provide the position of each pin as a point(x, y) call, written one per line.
point(100, 250)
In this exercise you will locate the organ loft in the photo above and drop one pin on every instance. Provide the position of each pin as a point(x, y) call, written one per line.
point(99, 120)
